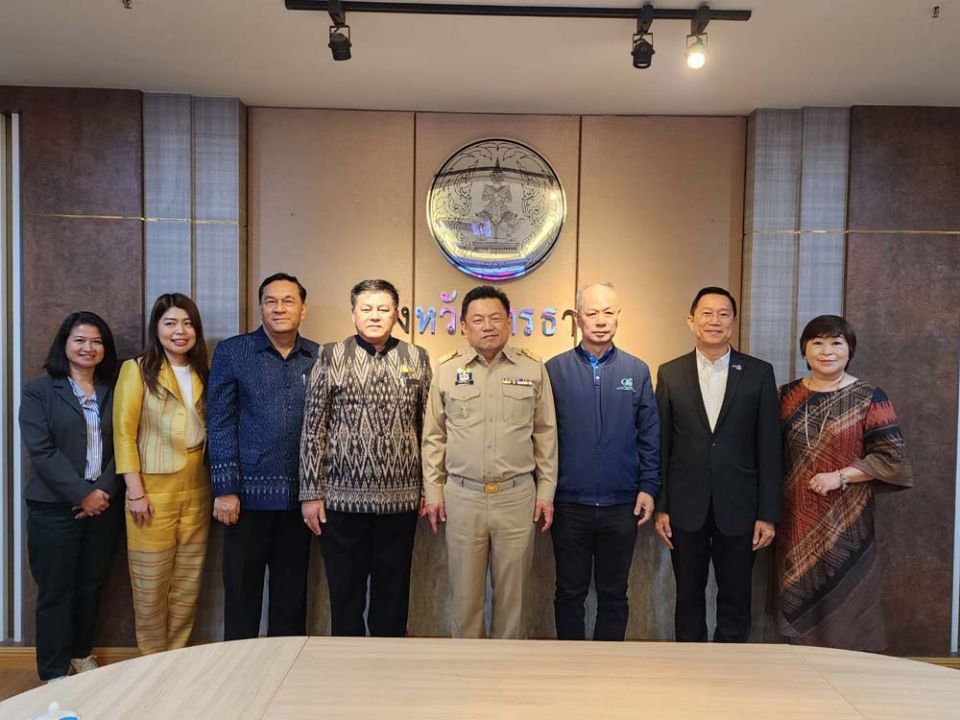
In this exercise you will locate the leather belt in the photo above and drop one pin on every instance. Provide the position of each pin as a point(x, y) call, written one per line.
point(489, 488)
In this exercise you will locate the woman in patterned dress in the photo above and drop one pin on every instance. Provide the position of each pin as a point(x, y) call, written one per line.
point(841, 446)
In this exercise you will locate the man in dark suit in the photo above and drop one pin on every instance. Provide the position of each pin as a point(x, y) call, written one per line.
point(721, 469)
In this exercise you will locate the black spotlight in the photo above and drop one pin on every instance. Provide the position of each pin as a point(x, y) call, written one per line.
point(643, 39)
point(340, 42)
point(642, 51)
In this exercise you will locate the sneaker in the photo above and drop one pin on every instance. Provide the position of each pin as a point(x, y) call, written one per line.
point(79, 665)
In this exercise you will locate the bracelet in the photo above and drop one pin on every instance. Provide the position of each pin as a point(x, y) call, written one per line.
point(843, 481)
point(130, 499)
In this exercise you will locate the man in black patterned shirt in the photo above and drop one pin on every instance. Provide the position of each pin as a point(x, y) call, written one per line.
point(360, 477)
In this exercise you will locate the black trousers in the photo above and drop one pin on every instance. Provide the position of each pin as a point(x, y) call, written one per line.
point(275, 539)
point(732, 558)
point(361, 546)
point(70, 560)
point(601, 538)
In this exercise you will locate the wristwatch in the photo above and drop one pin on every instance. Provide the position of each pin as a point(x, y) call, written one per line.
point(843, 481)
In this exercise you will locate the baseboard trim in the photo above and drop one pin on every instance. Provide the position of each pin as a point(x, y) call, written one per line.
point(949, 662)
point(24, 657)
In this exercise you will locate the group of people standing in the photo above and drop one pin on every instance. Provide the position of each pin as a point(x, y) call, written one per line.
point(282, 439)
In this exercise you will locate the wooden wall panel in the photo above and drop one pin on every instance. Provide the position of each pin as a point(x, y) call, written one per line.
point(81, 195)
point(661, 215)
point(902, 295)
point(302, 216)
point(331, 201)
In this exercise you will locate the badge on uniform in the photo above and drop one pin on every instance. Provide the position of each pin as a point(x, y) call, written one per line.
point(406, 377)
point(518, 381)
point(464, 377)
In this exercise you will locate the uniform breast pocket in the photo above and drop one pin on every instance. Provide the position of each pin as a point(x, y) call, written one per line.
point(518, 403)
point(463, 405)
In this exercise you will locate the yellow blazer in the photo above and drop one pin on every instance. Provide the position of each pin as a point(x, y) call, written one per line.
point(149, 428)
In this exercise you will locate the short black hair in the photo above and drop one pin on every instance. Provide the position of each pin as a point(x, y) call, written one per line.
point(713, 290)
point(374, 286)
point(57, 364)
point(482, 292)
point(828, 326)
point(282, 276)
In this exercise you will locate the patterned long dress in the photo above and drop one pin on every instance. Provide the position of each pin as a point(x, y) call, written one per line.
point(827, 579)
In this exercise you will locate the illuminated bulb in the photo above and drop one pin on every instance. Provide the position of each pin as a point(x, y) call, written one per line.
point(696, 53)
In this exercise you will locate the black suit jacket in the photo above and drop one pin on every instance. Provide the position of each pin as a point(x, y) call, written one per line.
point(55, 433)
point(739, 465)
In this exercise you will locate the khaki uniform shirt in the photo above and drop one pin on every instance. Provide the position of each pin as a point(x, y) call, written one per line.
point(490, 423)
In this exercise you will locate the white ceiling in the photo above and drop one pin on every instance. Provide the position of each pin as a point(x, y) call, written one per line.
point(792, 53)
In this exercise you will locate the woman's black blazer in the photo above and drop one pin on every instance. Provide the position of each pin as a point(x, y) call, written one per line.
point(55, 434)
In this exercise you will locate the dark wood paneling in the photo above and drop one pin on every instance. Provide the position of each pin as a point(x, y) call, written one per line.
point(905, 168)
point(902, 294)
point(81, 157)
point(80, 263)
point(81, 150)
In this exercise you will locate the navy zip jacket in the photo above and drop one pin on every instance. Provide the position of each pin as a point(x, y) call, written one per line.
point(608, 427)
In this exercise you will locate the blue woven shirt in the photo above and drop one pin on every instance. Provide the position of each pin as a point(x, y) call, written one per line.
point(255, 401)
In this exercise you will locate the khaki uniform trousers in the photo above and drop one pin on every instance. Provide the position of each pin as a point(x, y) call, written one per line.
point(496, 528)
point(166, 557)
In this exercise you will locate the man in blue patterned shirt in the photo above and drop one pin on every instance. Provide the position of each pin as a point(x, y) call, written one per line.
point(255, 399)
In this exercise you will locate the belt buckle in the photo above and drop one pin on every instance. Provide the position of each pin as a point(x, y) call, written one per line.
point(491, 487)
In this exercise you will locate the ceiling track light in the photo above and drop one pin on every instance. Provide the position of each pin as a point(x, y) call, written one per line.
point(565, 11)
point(642, 48)
point(339, 41)
point(643, 39)
point(697, 39)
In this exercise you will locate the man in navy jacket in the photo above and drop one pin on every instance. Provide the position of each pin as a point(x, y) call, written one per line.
point(609, 437)
point(255, 399)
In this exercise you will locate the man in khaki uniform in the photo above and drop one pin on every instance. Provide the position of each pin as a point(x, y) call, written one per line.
point(489, 464)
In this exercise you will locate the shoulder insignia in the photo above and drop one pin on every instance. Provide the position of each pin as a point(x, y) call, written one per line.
point(449, 356)
point(532, 355)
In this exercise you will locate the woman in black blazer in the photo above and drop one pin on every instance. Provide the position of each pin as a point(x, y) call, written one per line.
point(74, 499)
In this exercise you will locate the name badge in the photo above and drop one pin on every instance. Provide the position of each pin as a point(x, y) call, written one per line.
point(464, 377)
point(523, 382)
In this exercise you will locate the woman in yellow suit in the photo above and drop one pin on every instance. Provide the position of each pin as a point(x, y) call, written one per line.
point(159, 440)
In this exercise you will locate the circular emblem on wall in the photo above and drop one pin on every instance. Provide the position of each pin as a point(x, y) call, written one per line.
point(496, 209)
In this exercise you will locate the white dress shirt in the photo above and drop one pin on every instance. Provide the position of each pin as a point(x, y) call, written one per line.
point(713, 384)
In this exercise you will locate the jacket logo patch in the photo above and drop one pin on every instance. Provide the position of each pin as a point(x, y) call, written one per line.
point(626, 384)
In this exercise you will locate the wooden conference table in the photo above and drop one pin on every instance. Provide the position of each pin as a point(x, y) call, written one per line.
point(361, 678)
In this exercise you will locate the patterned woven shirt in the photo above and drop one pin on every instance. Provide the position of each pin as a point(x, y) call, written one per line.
point(255, 403)
point(360, 446)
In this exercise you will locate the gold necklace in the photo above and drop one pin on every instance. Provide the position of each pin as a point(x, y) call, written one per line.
point(806, 430)
point(834, 385)
point(806, 412)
